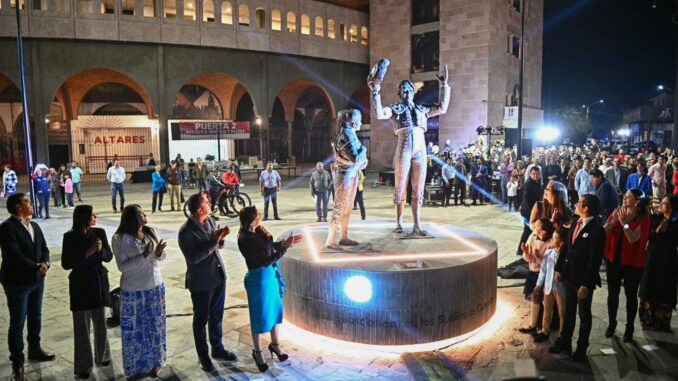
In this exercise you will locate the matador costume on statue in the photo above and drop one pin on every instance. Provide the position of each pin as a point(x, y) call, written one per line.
point(410, 125)
point(351, 157)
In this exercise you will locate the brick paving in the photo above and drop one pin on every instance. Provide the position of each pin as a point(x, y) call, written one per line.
point(498, 354)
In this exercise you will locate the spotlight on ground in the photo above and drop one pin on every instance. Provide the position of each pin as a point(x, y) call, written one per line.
point(358, 288)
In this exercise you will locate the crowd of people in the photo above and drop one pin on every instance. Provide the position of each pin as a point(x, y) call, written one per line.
point(581, 207)
point(137, 249)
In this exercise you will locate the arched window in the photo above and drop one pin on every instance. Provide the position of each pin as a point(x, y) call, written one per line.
point(170, 9)
point(260, 15)
point(107, 7)
point(319, 27)
point(149, 8)
point(128, 7)
point(291, 22)
point(514, 45)
point(354, 33)
point(39, 5)
point(305, 24)
point(226, 13)
point(276, 20)
point(12, 4)
point(189, 10)
point(244, 15)
point(330, 29)
point(363, 36)
point(208, 11)
point(343, 32)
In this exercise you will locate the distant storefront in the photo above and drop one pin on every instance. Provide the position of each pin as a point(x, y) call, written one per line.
point(95, 139)
point(199, 138)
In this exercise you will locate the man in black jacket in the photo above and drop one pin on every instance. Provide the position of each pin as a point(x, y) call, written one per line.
point(25, 261)
point(532, 192)
point(200, 240)
point(579, 270)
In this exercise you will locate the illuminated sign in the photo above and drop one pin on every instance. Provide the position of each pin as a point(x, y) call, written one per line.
point(210, 129)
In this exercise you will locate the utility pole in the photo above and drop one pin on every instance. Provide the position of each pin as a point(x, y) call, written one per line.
point(521, 78)
point(24, 104)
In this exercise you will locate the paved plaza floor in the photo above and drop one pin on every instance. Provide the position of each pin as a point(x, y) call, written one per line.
point(497, 352)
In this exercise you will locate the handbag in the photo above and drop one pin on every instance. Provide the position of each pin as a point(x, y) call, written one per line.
point(164, 188)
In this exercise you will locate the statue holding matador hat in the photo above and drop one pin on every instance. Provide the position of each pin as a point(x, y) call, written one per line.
point(410, 124)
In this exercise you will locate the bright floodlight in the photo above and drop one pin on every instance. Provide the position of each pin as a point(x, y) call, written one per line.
point(358, 288)
point(660, 87)
point(547, 133)
point(624, 132)
point(602, 101)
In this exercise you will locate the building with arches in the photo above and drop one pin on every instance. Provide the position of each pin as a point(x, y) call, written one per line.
point(104, 75)
point(289, 64)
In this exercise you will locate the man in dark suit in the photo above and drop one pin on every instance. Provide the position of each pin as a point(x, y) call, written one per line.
point(606, 193)
point(532, 192)
point(200, 240)
point(564, 170)
point(579, 269)
point(25, 261)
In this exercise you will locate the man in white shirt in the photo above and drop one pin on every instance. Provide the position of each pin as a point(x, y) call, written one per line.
point(269, 185)
point(116, 175)
point(76, 173)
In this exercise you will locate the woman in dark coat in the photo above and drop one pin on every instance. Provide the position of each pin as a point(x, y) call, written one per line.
point(84, 249)
point(658, 285)
point(263, 281)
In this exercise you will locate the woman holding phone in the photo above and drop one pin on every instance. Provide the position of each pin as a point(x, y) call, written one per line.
point(263, 281)
point(84, 249)
point(137, 250)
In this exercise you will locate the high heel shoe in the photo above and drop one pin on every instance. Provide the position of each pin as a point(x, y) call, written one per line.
point(261, 366)
point(281, 357)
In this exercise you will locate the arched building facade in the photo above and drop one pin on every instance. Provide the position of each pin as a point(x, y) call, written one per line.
point(218, 61)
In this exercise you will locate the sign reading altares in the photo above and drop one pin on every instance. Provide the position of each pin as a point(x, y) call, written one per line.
point(210, 129)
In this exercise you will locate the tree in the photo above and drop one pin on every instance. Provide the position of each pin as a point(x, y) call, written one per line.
point(574, 124)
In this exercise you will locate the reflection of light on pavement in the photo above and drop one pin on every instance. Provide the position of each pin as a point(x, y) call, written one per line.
point(353, 258)
point(315, 342)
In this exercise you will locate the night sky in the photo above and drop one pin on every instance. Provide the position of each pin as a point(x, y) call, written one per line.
point(618, 50)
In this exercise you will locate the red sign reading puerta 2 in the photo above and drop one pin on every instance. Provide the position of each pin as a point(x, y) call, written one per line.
point(126, 139)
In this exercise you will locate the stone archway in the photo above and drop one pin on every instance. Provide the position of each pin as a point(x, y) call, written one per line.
point(12, 149)
point(299, 102)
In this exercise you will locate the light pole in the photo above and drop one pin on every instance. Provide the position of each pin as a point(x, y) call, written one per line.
point(589, 106)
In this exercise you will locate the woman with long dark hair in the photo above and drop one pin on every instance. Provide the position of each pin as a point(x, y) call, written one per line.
point(84, 249)
point(658, 285)
point(263, 281)
point(137, 250)
point(627, 231)
point(553, 207)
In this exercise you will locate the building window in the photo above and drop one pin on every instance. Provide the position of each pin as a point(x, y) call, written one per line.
point(305, 24)
point(319, 26)
point(260, 15)
point(354, 33)
point(343, 33)
point(516, 5)
point(39, 5)
point(276, 20)
point(514, 45)
point(425, 11)
point(149, 8)
point(107, 7)
point(128, 7)
point(330, 29)
point(207, 11)
point(226, 13)
point(291, 22)
point(170, 9)
point(189, 10)
point(425, 52)
point(243, 15)
point(12, 4)
point(363, 36)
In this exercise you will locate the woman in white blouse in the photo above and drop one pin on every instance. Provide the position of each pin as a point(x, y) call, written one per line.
point(137, 250)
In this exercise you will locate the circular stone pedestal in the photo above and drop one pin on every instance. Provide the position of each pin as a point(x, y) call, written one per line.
point(389, 290)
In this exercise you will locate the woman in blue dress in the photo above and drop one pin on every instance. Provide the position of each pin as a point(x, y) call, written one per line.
point(263, 281)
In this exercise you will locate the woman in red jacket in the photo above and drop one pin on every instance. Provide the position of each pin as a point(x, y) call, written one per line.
point(674, 179)
point(628, 230)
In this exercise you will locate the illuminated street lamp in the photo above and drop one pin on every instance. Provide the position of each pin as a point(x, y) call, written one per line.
point(589, 106)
